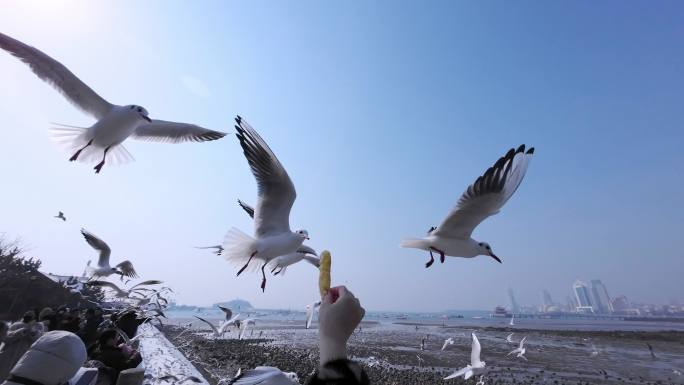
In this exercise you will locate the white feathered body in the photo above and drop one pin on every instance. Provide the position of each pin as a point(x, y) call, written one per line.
point(115, 127)
point(238, 247)
point(452, 247)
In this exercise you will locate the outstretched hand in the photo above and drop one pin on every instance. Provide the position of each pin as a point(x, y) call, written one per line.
point(339, 315)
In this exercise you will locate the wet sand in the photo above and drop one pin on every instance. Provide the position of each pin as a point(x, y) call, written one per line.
point(390, 353)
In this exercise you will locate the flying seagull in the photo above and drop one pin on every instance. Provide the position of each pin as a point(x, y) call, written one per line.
point(310, 310)
point(448, 341)
point(482, 199)
point(276, 194)
point(282, 262)
point(244, 324)
point(520, 350)
point(218, 249)
point(61, 216)
point(124, 269)
point(509, 338)
point(123, 293)
point(476, 366)
point(216, 332)
point(265, 375)
point(114, 123)
point(511, 323)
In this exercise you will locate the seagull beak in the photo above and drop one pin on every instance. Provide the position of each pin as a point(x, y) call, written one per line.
point(147, 118)
point(495, 257)
point(307, 238)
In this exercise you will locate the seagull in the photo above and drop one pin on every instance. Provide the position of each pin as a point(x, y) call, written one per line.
point(283, 261)
point(520, 350)
point(512, 323)
point(122, 293)
point(265, 375)
point(218, 249)
point(480, 381)
point(61, 216)
point(475, 364)
point(216, 332)
point(422, 344)
point(114, 123)
point(420, 361)
point(509, 338)
point(594, 351)
point(310, 310)
point(650, 349)
point(482, 199)
point(448, 341)
point(243, 326)
point(230, 318)
point(103, 269)
point(272, 234)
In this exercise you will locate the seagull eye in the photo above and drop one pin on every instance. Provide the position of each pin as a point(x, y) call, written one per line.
point(139, 109)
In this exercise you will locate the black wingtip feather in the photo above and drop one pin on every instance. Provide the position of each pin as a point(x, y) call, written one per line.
point(530, 151)
point(521, 148)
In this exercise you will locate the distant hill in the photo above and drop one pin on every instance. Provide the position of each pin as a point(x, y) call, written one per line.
point(236, 304)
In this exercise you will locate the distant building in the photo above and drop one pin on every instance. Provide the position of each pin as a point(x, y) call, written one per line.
point(620, 304)
point(570, 304)
point(600, 297)
point(582, 295)
point(514, 304)
point(546, 299)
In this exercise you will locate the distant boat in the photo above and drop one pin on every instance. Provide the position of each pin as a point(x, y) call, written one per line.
point(477, 317)
point(499, 312)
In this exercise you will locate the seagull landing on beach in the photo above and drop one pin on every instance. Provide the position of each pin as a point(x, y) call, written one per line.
point(265, 375)
point(61, 216)
point(114, 123)
point(520, 350)
point(124, 269)
point(476, 365)
point(448, 341)
point(218, 249)
point(282, 262)
point(276, 195)
point(482, 199)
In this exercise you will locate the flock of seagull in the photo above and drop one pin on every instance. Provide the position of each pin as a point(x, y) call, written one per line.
point(273, 243)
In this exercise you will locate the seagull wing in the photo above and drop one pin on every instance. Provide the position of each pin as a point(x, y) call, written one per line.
point(210, 325)
point(509, 337)
point(446, 342)
point(312, 260)
point(147, 283)
point(228, 312)
point(522, 342)
point(310, 310)
point(99, 245)
point(458, 373)
point(304, 249)
point(172, 132)
point(248, 209)
point(243, 327)
point(276, 191)
point(487, 195)
point(127, 269)
point(108, 285)
point(263, 375)
point(58, 76)
point(475, 352)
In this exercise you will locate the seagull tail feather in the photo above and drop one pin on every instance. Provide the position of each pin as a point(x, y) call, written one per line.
point(414, 243)
point(72, 139)
point(238, 247)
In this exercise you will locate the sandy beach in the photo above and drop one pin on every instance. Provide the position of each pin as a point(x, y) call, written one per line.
point(390, 353)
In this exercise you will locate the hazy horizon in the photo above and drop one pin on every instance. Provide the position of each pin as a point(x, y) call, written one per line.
point(382, 113)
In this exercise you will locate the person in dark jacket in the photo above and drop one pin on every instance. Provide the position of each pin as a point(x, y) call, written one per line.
point(339, 315)
point(88, 332)
point(111, 354)
point(128, 323)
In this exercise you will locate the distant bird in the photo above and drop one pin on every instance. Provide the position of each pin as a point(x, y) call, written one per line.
point(61, 216)
point(520, 350)
point(476, 365)
point(594, 351)
point(122, 293)
point(482, 199)
point(421, 361)
point(509, 338)
point(282, 262)
point(114, 123)
point(218, 249)
point(124, 269)
point(422, 344)
point(216, 332)
point(512, 323)
point(650, 349)
point(265, 375)
point(244, 324)
point(448, 341)
point(310, 310)
point(276, 194)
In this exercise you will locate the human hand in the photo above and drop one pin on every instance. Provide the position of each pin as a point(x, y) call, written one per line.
point(339, 315)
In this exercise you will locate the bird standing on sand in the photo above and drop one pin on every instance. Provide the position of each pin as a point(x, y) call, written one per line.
point(61, 216)
point(482, 199)
point(124, 269)
point(476, 365)
point(114, 123)
point(276, 195)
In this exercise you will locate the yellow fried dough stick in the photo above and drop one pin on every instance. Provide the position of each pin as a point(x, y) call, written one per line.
point(324, 273)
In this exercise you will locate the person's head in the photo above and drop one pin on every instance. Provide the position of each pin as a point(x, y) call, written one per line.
point(53, 359)
point(45, 314)
point(108, 338)
point(28, 316)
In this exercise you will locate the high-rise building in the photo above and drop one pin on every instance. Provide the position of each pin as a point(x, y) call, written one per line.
point(582, 295)
point(620, 304)
point(514, 304)
point(546, 298)
point(600, 297)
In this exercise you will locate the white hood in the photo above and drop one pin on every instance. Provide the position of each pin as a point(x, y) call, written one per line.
point(53, 359)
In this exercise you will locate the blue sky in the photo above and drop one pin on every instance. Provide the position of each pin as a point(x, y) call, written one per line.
point(382, 112)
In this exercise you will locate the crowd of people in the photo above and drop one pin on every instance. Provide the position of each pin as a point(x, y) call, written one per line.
point(100, 336)
point(49, 349)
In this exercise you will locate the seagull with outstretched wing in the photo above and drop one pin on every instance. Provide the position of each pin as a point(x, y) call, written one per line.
point(103, 269)
point(476, 365)
point(481, 200)
point(114, 123)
